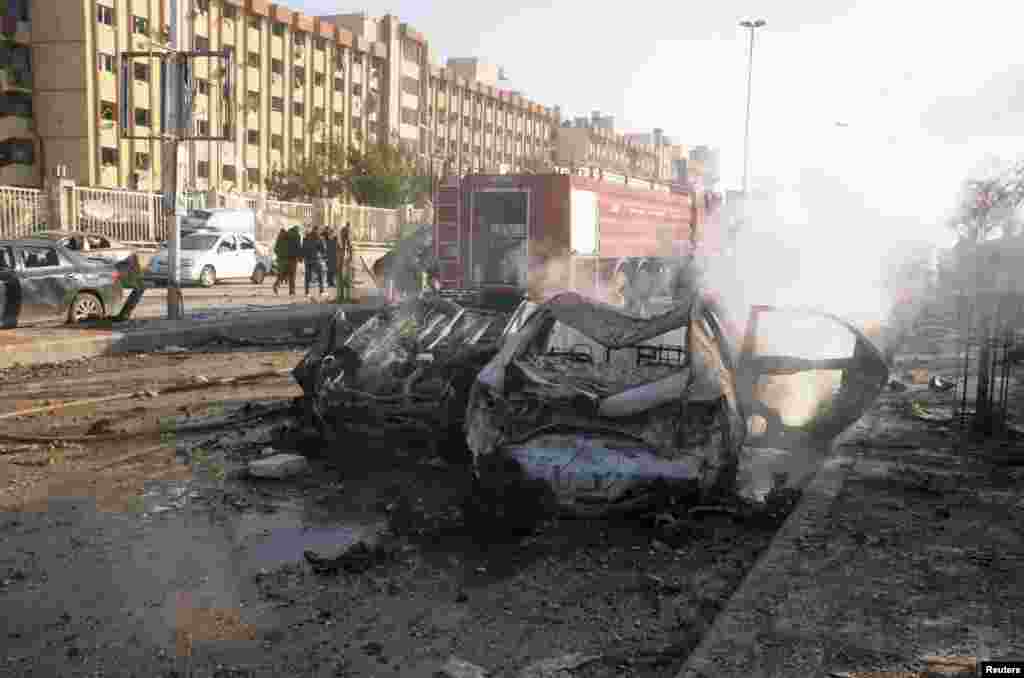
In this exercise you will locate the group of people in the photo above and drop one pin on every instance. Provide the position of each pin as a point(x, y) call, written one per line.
point(320, 250)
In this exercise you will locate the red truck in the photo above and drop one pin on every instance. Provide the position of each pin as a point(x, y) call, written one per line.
point(542, 233)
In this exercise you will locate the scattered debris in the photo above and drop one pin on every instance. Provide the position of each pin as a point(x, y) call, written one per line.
point(940, 415)
point(941, 384)
point(278, 466)
point(171, 349)
point(357, 558)
point(558, 667)
point(458, 668)
point(99, 427)
point(897, 386)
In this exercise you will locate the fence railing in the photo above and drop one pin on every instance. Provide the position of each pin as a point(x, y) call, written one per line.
point(138, 216)
point(22, 211)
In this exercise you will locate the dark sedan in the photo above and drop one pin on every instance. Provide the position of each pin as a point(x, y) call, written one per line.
point(41, 280)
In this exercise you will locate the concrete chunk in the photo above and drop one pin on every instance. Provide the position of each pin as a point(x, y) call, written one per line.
point(278, 466)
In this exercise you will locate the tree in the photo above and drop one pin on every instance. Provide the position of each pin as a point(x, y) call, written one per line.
point(322, 175)
point(385, 175)
point(989, 206)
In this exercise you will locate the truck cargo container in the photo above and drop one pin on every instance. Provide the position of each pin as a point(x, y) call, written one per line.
point(543, 233)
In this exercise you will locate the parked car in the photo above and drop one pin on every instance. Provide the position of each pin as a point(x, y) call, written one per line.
point(41, 280)
point(210, 256)
point(589, 410)
point(89, 244)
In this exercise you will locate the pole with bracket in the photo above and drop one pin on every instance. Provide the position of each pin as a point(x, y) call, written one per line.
point(173, 79)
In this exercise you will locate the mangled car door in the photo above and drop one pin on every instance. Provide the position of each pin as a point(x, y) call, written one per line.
point(804, 371)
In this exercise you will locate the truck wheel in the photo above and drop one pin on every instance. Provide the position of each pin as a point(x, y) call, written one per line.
point(259, 274)
point(85, 306)
point(208, 277)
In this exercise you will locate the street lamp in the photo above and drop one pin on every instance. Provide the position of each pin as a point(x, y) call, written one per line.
point(751, 26)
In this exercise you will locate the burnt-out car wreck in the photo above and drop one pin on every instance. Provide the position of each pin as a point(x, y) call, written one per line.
point(577, 406)
point(408, 369)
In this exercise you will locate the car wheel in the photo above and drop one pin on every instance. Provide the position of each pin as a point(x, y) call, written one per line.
point(259, 274)
point(85, 306)
point(208, 277)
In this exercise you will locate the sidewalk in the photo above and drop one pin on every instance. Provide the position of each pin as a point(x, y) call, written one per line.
point(34, 345)
point(906, 554)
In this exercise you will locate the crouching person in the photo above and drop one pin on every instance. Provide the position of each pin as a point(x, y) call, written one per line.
point(131, 278)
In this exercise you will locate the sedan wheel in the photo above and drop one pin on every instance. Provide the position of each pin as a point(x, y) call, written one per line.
point(208, 278)
point(85, 306)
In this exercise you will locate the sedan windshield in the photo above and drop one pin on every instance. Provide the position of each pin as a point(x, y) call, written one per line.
point(199, 243)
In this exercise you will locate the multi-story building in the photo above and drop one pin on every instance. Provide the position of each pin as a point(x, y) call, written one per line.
point(303, 85)
point(600, 147)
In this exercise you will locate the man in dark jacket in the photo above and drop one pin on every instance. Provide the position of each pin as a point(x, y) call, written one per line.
point(331, 246)
point(315, 253)
point(131, 278)
point(285, 262)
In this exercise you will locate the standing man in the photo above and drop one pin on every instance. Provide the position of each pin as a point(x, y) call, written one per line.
point(284, 262)
point(331, 247)
point(315, 255)
point(131, 278)
point(343, 254)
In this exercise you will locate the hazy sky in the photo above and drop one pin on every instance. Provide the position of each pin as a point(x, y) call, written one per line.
point(926, 90)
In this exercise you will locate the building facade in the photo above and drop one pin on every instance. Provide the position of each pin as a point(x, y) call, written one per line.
point(303, 85)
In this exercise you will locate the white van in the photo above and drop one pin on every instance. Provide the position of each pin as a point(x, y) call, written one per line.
point(223, 219)
point(208, 256)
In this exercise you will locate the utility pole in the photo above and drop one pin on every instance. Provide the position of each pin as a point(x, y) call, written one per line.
point(751, 26)
point(173, 157)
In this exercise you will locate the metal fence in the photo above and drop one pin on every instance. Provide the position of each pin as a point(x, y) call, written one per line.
point(22, 211)
point(138, 216)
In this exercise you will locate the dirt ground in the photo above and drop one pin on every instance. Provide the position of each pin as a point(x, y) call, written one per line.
point(180, 565)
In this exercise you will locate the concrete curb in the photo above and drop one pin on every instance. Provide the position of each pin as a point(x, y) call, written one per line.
point(731, 647)
point(297, 321)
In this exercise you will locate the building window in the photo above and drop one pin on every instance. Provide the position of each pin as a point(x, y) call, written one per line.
point(339, 84)
point(108, 111)
point(357, 59)
point(299, 73)
point(228, 172)
point(277, 67)
point(357, 90)
point(278, 28)
point(105, 15)
point(299, 38)
point(297, 145)
point(276, 142)
point(203, 128)
point(203, 166)
point(16, 104)
point(202, 86)
point(410, 85)
point(410, 116)
point(321, 149)
point(229, 12)
point(142, 117)
point(339, 61)
point(17, 152)
point(108, 156)
point(140, 25)
point(142, 161)
point(252, 137)
point(255, 23)
point(298, 109)
point(107, 63)
point(318, 79)
point(252, 100)
point(357, 122)
point(141, 72)
point(202, 44)
point(253, 59)
point(252, 175)
point(411, 51)
point(320, 44)
point(277, 104)
point(339, 119)
point(318, 113)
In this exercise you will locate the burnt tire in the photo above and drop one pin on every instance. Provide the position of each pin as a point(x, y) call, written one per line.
point(85, 306)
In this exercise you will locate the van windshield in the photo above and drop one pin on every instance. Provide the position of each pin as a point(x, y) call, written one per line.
point(199, 243)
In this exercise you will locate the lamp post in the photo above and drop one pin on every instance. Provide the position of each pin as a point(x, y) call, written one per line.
point(751, 26)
